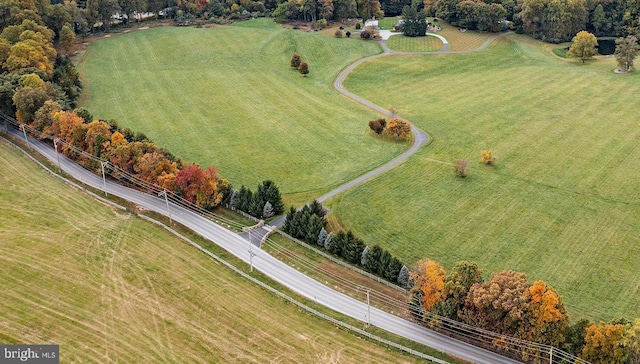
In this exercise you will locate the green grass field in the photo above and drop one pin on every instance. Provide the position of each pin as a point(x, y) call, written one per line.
point(110, 287)
point(226, 96)
point(400, 43)
point(563, 202)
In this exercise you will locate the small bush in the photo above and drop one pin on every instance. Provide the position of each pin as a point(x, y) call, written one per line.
point(338, 33)
point(462, 168)
point(304, 68)
point(358, 26)
point(378, 125)
point(365, 34)
point(295, 60)
point(322, 23)
point(348, 34)
point(488, 158)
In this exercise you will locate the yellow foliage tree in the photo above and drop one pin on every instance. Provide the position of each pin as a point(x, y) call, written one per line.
point(428, 278)
point(488, 158)
point(603, 344)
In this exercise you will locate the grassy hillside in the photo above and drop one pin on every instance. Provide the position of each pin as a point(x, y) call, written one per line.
point(563, 202)
point(227, 96)
point(109, 287)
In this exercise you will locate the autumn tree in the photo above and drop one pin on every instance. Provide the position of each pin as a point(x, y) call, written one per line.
point(457, 284)
point(65, 125)
point(399, 128)
point(632, 342)
point(369, 9)
point(603, 344)
point(295, 60)
point(488, 158)
point(27, 101)
point(428, 278)
point(378, 125)
point(626, 51)
point(154, 167)
point(198, 186)
point(583, 46)
point(497, 305)
point(304, 68)
point(546, 319)
point(43, 118)
point(326, 9)
point(97, 137)
point(67, 38)
point(462, 168)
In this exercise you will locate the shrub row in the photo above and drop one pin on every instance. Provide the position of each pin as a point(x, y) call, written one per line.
point(308, 224)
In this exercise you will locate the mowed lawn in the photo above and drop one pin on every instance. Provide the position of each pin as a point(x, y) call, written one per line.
point(110, 287)
point(563, 202)
point(226, 96)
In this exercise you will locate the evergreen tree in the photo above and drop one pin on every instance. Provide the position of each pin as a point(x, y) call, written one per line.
point(393, 270)
point(244, 199)
point(363, 260)
point(256, 206)
point(287, 226)
point(353, 248)
point(328, 241)
point(338, 243)
point(233, 197)
point(317, 209)
point(267, 211)
point(322, 236)
point(385, 260)
point(373, 259)
point(403, 277)
point(269, 192)
point(313, 229)
point(415, 22)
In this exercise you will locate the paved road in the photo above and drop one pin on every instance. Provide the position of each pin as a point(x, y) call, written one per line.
point(275, 269)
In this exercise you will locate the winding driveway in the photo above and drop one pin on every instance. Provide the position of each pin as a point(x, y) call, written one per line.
point(420, 137)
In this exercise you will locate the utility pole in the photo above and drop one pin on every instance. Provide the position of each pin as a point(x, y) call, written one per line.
point(250, 254)
point(368, 309)
point(55, 145)
point(166, 199)
point(104, 178)
point(551, 355)
point(24, 131)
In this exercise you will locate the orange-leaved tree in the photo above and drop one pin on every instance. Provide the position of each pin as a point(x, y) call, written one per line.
point(398, 128)
point(198, 186)
point(428, 281)
point(547, 318)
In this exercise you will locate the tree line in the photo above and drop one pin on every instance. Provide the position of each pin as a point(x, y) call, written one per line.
point(264, 203)
point(511, 305)
point(308, 224)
